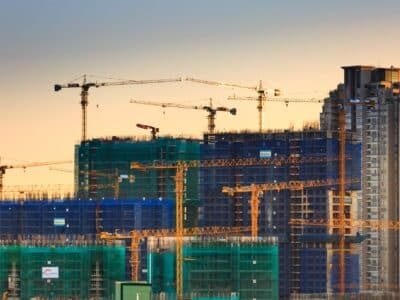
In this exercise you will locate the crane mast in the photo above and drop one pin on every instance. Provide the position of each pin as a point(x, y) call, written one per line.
point(85, 86)
point(84, 105)
point(342, 186)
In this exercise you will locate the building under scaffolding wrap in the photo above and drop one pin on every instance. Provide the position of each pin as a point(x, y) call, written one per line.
point(84, 220)
point(62, 272)
point(276, 208)
point(102, 170)
point(243, 268)
point(82, 217)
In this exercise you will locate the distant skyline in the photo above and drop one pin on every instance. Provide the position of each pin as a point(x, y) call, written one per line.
point(297, 46)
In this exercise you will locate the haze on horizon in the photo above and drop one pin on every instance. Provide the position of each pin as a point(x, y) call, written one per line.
point(297, 46)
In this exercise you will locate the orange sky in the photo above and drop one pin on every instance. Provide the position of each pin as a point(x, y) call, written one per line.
point(298, 48)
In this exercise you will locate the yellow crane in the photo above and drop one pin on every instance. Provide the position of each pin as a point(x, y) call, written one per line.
point(85, 86)
point(3, 169)
point(179, 231)
point(261, 91)
point(370, 104)
point(212, 111)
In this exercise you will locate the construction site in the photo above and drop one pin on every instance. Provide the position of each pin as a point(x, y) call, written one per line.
point(310, 213)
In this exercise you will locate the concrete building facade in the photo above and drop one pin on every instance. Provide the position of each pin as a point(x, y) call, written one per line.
point(371, 102)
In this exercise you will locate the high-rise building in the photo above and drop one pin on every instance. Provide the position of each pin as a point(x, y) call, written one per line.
point(371, 104)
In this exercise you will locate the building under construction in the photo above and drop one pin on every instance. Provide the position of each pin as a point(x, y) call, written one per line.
point(103, 170)
point(25, 219)
point(307, 260)
point(83, 220)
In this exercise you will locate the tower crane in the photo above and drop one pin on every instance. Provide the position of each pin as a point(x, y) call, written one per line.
point(179, 231)
point(85, 86)
point(212, 111)
point(154, 130)
point(261, 91)
point(136, 236)
point(3, 169)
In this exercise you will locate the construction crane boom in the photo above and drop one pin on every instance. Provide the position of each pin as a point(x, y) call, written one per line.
point(3, 169)
point(217, 83)
point(209, 108)
point(85, 86)
point(284, 100)
point(154, 130)
point(239, 162)
point(58, 87)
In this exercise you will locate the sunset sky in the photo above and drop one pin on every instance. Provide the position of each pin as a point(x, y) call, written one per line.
point(297, 46)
